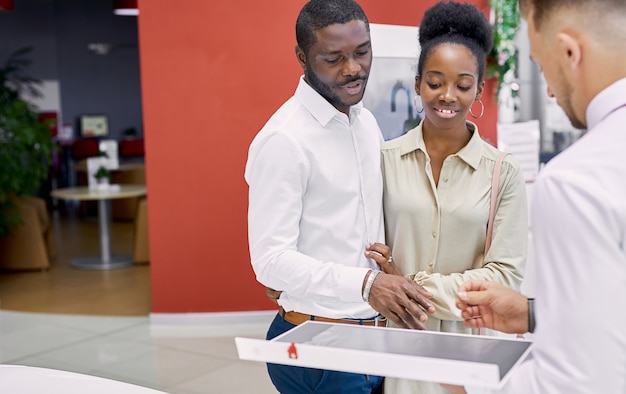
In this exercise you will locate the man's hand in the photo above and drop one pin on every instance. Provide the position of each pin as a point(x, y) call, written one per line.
point(400, 300)
point(492, 305)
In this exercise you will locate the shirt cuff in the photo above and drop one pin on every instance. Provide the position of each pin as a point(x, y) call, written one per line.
point(350, 282)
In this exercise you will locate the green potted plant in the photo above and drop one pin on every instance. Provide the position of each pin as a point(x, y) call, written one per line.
point(25, 143)
point(103, 175)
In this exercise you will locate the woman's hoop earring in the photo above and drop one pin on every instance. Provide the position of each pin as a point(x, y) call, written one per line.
point(482, 110)
point(415, 102)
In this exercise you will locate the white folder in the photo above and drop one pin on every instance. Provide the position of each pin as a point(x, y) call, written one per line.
point(459, 359)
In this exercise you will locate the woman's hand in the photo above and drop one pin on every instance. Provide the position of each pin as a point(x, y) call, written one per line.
point(382, 255)
point(454, 389)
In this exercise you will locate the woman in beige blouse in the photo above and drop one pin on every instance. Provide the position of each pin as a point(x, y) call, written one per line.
point(437, 180)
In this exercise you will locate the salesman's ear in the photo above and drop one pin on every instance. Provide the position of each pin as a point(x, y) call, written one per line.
point(569, 49)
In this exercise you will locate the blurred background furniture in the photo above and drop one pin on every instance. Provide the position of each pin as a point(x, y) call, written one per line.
point(127, 174)
point(82, 149)
point(106, 260)
point(141, 252)
point(131, 171)
point(131, 149)
point(31, 244)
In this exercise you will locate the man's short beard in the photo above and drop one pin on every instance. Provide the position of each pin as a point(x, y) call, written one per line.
point(323, 89)
point(326, 92)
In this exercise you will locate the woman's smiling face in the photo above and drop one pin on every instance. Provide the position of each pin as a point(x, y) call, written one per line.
point(448, 85)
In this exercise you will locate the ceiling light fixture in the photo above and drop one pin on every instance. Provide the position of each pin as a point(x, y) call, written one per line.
point(125, 7)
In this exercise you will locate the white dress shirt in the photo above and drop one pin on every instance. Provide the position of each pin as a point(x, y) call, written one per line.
point(579, 233)
point(315, 202)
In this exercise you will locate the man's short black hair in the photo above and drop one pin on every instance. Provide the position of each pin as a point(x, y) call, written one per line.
point(317, 14)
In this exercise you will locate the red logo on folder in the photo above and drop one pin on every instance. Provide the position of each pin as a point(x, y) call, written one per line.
point(293, 353)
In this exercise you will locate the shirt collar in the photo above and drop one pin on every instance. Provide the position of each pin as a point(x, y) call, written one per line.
point(319, 107)
point(605, 102)
point(470, 153)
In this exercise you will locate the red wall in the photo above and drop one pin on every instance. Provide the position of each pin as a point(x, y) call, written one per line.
point(212, 73)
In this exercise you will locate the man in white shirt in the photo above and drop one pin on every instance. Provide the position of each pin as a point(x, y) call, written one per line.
point(315, 198)
point(578, 212)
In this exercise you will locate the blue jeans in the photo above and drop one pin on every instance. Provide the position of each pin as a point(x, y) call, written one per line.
point(298, 380)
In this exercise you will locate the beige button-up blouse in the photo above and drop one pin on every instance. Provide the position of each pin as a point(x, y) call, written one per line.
point(437, 232)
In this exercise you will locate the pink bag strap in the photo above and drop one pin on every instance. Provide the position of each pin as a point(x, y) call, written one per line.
point(493, 197)
point(495, 186)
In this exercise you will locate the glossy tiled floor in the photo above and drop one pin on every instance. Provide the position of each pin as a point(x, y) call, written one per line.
point(178, 360)
point(97, 323)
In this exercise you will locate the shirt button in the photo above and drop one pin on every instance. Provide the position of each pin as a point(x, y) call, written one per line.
point(434, 234)
point(445, 179)
point(431, 264)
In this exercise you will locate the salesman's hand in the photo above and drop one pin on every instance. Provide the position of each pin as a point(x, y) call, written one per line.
point(492, 305)
point(452, 389)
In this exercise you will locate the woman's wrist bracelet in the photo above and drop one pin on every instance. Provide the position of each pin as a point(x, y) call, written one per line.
point(368, 285)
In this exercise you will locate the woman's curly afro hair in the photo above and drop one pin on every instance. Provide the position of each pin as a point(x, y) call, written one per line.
point(455, 23)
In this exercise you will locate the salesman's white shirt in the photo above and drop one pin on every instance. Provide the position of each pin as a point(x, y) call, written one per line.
point(579, 232)
point(315, 202)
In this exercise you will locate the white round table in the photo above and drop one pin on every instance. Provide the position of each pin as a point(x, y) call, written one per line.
point(105, 260)
point(20, 379)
